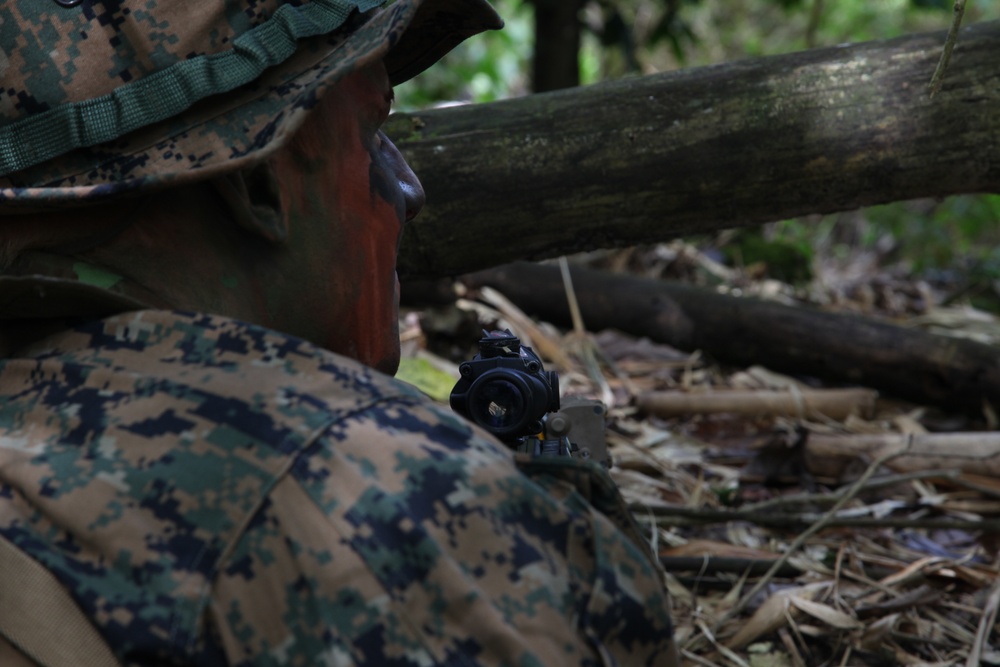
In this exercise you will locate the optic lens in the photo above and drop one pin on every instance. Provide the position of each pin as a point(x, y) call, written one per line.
point(498, 404)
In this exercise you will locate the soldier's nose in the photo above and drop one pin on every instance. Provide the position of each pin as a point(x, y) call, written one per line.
point(413, 192)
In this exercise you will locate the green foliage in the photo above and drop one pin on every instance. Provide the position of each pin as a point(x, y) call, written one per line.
point(943, 5)
point(957, 237)
point(961, 232)
point(726, 495)
point(427, 378)
point(722, 30)
point(783, 257)
point(490, 67)
point(641, 36)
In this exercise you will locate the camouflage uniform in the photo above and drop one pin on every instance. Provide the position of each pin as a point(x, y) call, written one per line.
point(108, 98)
point(213, 492)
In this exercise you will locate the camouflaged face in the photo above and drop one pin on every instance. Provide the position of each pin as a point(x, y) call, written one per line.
point(212, 492)
point(52, 57)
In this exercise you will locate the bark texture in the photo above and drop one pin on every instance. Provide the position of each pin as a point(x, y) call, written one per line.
point(647, 159)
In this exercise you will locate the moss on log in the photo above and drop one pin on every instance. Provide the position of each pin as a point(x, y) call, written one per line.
point(650, 158)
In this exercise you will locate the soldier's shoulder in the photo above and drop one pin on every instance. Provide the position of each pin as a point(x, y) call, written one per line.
point(155, 436)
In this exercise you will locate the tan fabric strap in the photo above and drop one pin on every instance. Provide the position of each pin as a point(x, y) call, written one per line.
point(38, 616)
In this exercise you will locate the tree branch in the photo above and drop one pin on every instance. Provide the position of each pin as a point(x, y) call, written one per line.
point(949, 46)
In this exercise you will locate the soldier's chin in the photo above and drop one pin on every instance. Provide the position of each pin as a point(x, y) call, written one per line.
point(386, 358)
point(389, 364)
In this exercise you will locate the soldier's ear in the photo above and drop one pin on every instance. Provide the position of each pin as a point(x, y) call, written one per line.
point(254, 200)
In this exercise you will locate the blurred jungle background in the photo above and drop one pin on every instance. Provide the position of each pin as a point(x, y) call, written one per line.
point(581, 43)
point(795, 531)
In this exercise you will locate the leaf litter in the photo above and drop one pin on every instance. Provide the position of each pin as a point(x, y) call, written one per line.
point(789, 535)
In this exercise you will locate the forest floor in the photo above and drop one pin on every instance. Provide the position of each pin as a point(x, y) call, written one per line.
point(783, 542)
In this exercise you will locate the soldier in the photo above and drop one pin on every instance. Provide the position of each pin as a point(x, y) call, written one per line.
point(198, 463)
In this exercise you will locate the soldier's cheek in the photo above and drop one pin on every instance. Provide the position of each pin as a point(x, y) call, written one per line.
point(371, 294)
point(365, 224)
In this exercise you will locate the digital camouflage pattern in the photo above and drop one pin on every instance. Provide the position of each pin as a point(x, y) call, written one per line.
point(106, 98)
point(213, 492)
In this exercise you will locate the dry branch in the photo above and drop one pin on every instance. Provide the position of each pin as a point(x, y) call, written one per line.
point(708, 565)
point(912, 364)
point(977, 453)
point(985, 626)
point(685, 516)
point(647, 159)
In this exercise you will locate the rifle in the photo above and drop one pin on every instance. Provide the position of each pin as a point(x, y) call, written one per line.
point(506, 390)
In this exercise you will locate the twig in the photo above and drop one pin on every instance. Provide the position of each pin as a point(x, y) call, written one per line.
point(795, 630)
point(985, 626)
point(574, 306)
point(871, 583)
point(688, 655)
point(921, 595)
point(970, 484)
point(725, 651)
point(909, 638)
point(684, 516)
point(790, 646)
point(580, 331)
point(809, 532)
point(949, 46)
point(616, 370)
point(706, 565)
point(879, 483)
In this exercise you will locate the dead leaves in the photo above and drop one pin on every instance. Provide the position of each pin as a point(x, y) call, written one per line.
point(803, 536)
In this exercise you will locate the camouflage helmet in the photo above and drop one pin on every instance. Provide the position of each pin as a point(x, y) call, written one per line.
point(104, 97)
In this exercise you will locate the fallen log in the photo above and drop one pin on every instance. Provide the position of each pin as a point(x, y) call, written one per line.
point(648, 159)
point(800, 341)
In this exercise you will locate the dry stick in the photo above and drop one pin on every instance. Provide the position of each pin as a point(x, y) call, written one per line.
point(697, 659)
point(881, 482)
point(949, 46)
point(977, 453)
point(911, 638)
point(809, 532)
point(798, 634)
point(586, 345)
point(790, 647)
point(709, 565)
point(981, 488)
point(668, 516)
point(574, 306)
point(725, 651)
point(985, 625)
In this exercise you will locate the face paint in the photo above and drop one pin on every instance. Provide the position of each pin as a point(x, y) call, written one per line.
point(344, 193)
point(347, 193)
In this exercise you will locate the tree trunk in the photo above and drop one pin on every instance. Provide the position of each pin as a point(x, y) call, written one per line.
point(647, 159)
point(556, 62)
point(911, 364)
